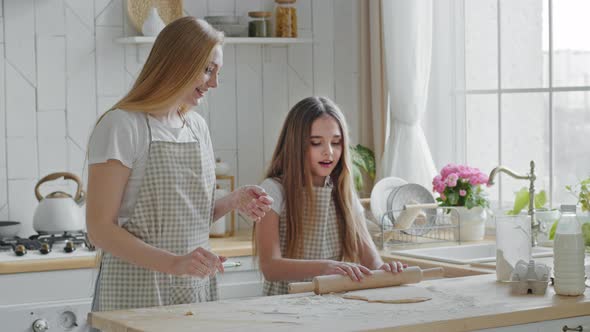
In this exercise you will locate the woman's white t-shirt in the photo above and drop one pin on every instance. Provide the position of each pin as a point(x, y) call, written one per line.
point(124, 136)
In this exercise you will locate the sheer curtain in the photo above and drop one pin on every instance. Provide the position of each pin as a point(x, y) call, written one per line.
point(372, 76)
point(407, 41)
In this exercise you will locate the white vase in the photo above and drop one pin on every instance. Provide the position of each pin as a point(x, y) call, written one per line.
point(472, 223)
point(221, 168)
point(153, 23)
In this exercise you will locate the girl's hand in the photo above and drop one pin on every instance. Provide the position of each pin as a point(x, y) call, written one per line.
point(395, 267)
point(252, 201)
point(356, 272)
point(198, 263)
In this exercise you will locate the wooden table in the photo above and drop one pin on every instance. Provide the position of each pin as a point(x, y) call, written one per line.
point(458, 304)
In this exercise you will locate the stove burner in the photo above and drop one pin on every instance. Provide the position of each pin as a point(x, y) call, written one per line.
point(44, 243)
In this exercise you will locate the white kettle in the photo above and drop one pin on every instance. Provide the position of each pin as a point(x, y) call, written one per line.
point(59, 212)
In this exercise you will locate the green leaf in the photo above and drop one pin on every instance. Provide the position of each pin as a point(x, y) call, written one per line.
point(358, 179)
point(586, 233)
point(540, 199)
point(365, 159)
point(520, 201)
point(453, 198)
point(552, 230)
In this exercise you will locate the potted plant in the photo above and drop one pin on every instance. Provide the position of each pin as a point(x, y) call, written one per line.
point(581, 191)
point(363, 161)
point(547, 217)
point(459, 186)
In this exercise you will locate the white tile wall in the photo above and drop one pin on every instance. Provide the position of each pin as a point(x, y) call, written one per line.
point(20, 104)
point(19, 37)
point(49, 18)
point(2, 30)
point(2, 122)
point(112, 15)
point(51, 73)
point(22, 158)
point(60, 68)
point(3, 170)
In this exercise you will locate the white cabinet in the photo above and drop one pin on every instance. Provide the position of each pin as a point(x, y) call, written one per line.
point(547, 326)
point(243, 280)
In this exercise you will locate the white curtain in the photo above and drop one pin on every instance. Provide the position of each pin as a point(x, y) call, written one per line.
point(407, 39)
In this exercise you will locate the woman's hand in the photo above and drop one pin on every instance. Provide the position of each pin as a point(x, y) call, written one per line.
point(252, 201)
point(198, 263)
point(395, 267)
point(356, 272)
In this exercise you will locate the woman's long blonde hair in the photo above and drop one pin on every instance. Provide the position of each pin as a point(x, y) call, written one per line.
point(179, 57)
point(290, 167)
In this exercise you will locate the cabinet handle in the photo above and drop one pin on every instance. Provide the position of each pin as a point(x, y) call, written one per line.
point(579, 328)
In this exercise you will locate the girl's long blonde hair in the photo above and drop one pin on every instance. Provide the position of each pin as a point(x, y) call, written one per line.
point(290, 167)
point(179, 57)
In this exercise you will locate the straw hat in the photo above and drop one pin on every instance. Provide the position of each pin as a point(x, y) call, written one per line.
point(138, 10)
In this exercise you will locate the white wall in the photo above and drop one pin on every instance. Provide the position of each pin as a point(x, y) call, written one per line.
point(60, 68)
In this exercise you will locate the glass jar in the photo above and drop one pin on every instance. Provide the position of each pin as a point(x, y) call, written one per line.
point(259, 25)
point(285, 19)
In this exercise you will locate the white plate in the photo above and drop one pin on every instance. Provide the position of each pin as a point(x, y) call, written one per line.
point(412, 193)
point(381, 192)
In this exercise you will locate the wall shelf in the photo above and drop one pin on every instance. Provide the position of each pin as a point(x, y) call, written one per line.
point(135, 40)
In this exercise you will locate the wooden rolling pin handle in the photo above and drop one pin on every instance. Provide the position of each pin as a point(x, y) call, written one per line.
point(421, 206)
point(433, 273)
point(380, 278)
point(300, 287)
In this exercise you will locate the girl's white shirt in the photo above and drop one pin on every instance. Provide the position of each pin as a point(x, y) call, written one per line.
point(124, 136)
point(275, 190)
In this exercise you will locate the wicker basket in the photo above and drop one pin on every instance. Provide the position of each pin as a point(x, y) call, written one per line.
point(138, 10)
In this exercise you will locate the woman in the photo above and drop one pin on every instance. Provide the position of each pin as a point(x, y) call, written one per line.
point(151, 179)
point(316, 225)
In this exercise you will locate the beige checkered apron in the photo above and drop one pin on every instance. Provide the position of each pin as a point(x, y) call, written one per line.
point(173, 212)
point(321, 239)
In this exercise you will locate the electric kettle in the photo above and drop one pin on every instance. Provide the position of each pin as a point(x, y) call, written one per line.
point(59, 212)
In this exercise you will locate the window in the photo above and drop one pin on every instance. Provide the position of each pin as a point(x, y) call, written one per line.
point(520, 87)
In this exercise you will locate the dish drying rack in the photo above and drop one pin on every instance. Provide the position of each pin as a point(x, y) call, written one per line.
point(431, 226)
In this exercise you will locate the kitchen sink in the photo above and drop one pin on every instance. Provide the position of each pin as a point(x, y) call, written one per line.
point(465, 254)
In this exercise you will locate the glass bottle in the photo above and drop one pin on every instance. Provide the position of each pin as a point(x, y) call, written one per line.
point(285, 19)
point(259, 25)
point(568, 254)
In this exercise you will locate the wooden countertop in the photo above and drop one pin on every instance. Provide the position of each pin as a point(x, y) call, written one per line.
point(458, 304)
point(451, 270)
point(239, 245)
point(48, 264)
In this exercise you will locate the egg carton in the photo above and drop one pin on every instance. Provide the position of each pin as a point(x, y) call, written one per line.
point(529, 278)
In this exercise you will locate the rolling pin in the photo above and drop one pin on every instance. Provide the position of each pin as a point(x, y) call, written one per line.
point(340, 283)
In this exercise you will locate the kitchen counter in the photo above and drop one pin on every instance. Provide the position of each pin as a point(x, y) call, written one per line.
point(451, 270)
point(239, 245)
point(458, 304)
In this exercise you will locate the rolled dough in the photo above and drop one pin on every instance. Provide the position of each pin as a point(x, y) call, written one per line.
point(397, 294)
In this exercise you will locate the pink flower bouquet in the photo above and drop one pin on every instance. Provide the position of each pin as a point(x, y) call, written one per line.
point(460, 185)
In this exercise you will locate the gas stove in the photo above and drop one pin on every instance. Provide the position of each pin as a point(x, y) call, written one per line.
point(54, 299)
point(40, 246)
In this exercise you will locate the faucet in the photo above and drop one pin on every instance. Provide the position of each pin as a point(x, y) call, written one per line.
point(531, 176)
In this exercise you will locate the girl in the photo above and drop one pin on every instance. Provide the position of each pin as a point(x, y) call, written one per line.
point(151, 179)
point(315, 226)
